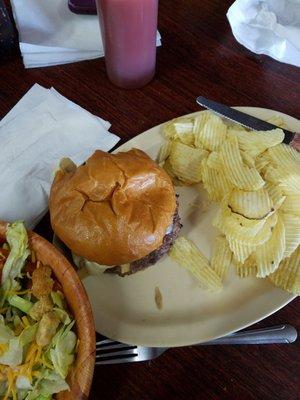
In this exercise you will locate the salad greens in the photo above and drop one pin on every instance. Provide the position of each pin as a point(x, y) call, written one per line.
point(37, 343)
point(18, 243)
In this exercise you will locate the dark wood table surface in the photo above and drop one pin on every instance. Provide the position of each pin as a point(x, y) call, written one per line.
point(199, 56)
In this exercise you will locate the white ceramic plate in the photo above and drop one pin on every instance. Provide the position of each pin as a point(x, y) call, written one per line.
point(125, 309)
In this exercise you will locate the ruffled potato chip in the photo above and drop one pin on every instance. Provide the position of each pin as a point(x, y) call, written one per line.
point(248, 160)
point(292, 233)
point(180, 129)
point(256, 142)
point(291, 205)
point(215, 182)
point(212, 134)
point(270, 253)
point(186, 162)
point(248, 268)
point(164, 152)
point(188, 256)
point(275, 194)
point(236, 127)
point(287, 276)
point(240, 175)
point(287, 178)
point(200, 120)
point(221, 257)
point(251, 204)
point(243, 230)
point(214, 161)
point(261, 162)
point(241, 251)
point(277, 120)
point(168, 168)
point(284, 156)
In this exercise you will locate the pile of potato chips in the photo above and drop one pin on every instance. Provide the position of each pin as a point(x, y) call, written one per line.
point(256, 181)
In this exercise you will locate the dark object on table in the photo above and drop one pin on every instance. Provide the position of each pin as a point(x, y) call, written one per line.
point(82, 6)
point(7, 33)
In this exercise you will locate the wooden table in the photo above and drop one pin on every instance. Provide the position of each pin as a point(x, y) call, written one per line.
point(199, 56)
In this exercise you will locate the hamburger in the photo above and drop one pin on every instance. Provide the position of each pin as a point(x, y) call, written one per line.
point(116, 212)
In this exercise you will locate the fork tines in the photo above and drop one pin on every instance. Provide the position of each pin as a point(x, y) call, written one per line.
point(111, 352)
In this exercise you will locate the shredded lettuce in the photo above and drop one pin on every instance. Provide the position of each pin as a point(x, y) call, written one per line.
point(14, 354)
point(48, 384)
point(52, 383)
point(62, 315)
point(58, 299)
point(5, 332)
point(17, 239)
point(28, 334)
point(20, 303)
point(62, 354)
point(22, 382)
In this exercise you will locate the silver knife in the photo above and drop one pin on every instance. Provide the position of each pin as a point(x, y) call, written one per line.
point(241, 118)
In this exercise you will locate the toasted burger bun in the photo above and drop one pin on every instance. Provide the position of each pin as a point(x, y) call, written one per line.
point(114, 209)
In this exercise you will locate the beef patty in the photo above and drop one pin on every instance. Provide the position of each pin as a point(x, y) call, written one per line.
point(155, 255)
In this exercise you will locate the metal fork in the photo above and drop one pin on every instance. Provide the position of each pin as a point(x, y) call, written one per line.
point(111, 352)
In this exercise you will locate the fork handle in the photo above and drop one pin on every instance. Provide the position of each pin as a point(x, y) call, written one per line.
point(273, 334)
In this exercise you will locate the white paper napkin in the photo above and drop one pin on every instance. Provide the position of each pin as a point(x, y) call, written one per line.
point(269, 27)
point(50, 34)
point(41, 129)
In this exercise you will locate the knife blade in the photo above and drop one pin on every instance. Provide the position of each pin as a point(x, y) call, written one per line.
point(243, 119)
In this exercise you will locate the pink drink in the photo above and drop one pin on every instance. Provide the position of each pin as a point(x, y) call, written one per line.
point(129, 37)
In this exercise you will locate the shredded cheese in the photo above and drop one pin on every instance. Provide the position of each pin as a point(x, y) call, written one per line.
point(38, 354)
point(10, 389)
point(30, 352)
point(33, 357)
point(3, 347)
point(25, 321)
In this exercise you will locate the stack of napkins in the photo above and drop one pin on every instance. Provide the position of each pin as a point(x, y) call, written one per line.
point(41, 129)
point(50, 34)
point(269, 27)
